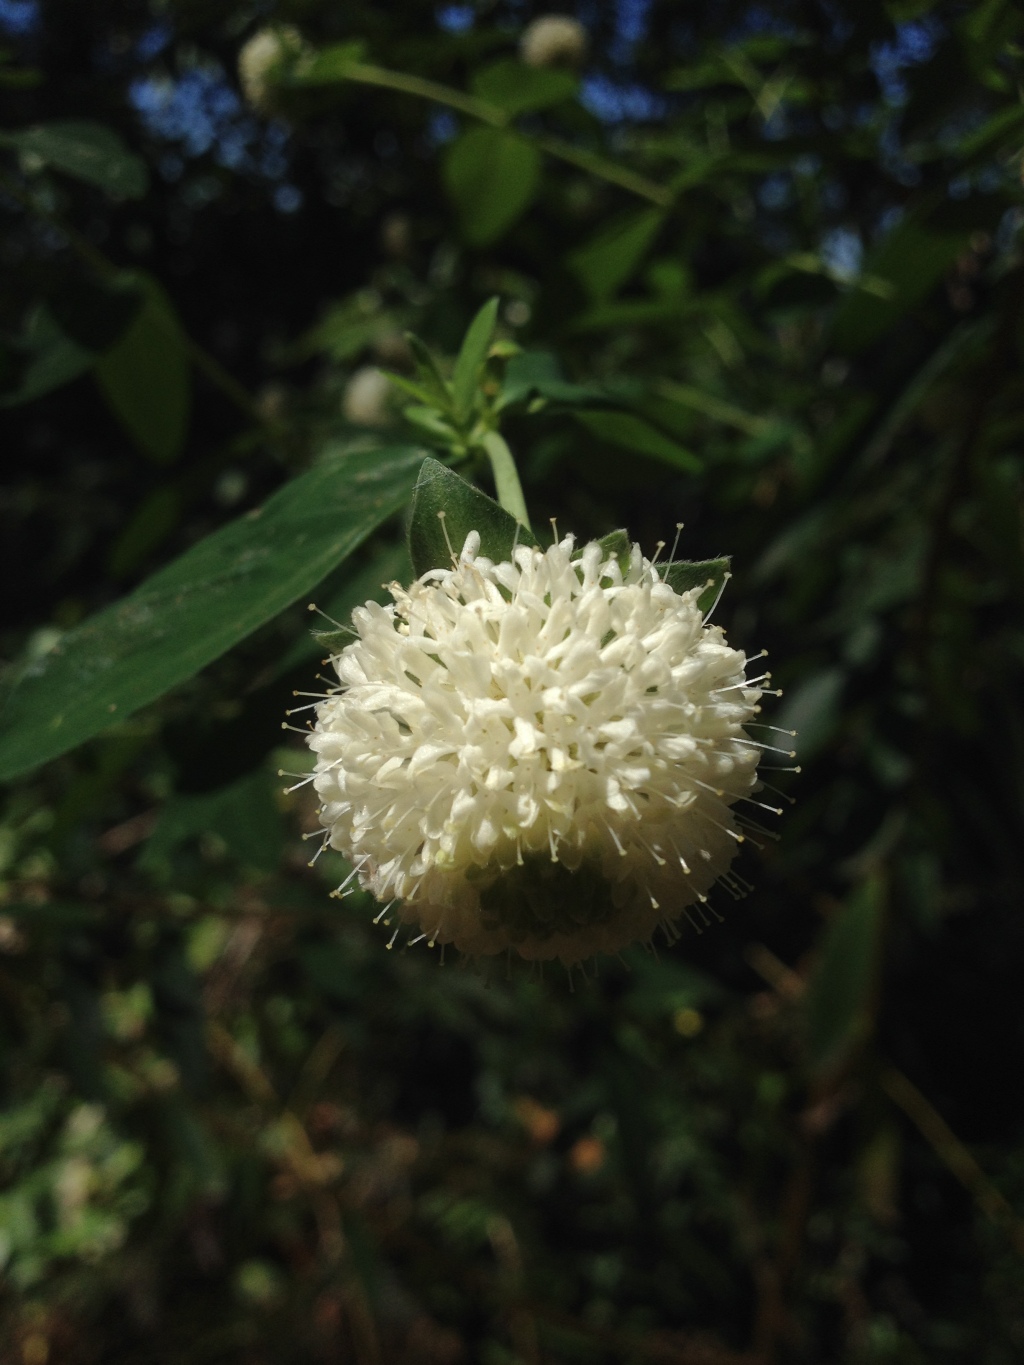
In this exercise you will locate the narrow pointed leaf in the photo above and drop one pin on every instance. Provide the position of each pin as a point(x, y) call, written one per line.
point(840, 994)
point(471, 357)
point(631, 432)
point(427, 372)
point(196, 608)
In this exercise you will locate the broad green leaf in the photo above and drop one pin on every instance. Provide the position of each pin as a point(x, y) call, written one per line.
point(633, 433)
point(88, 151)
point(145, 377)
point(470, 361)
point(607, 261)
point(196, 608)
point(465, 509)
point(840, 994)
point(684, 574)
point(492, 176)
point(519, 89)
point(53, 360)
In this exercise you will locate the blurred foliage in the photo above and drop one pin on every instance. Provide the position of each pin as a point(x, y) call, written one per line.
point(760, 271)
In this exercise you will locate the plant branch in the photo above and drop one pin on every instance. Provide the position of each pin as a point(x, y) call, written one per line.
point(497, 117)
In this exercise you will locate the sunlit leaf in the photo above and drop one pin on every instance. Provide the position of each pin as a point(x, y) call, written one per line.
point(200, 605)
point(465, 509)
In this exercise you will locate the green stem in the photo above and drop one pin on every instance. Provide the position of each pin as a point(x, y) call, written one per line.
point(496, 117)
point(366, 74)
point(506, 477)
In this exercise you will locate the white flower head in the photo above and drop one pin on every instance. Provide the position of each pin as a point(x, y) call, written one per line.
point(540, 756)
point(554, 40)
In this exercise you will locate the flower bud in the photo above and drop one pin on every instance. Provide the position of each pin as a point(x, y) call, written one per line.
point(554, 40)
point(365, 400)
point(262, 58)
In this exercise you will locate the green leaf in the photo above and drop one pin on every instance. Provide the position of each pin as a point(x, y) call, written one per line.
point(243, 814)
point(429, 374)
point(470, 360)
point(53, 360)
point(145, 377)
point(633, 433)
point(683, 574)
point(365, 584)
point(88, 151)
point(465, 509)
point(840, 994)
point(329, 65)
point(492, 176)
point(196, 608)
point(913, 260)
point(814, 709)
point(520, 89)
point(538, 372)
point(605, 263)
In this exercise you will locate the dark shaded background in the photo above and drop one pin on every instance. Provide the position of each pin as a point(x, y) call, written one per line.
point(233, 1127)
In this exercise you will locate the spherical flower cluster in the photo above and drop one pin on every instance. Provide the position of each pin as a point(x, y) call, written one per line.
point(553, 40)
point(539, 756)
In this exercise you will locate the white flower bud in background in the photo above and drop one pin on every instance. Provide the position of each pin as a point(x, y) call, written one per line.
point(261, 58)
point(539, 756)
point(554, 40)
point(366, 398)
